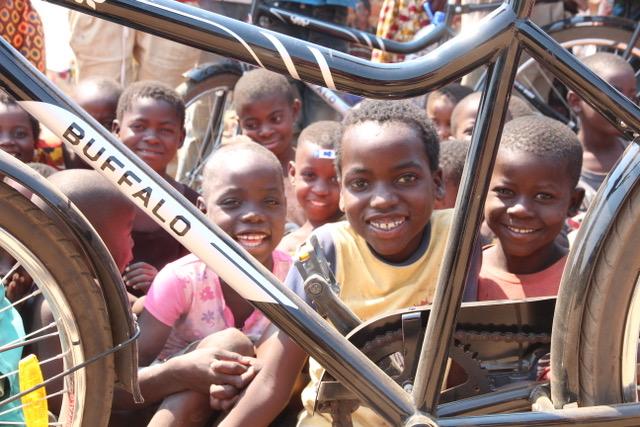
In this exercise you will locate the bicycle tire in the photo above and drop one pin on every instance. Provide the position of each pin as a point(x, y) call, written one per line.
point(610, 322)
point(75, 299)
point(212, 85)
point(605, 33)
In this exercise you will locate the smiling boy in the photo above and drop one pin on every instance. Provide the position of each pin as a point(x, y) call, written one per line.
point(533, 191)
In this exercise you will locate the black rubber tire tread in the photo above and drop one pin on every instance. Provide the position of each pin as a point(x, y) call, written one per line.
point(607, 304)
point(191, 89)
point(28, 224)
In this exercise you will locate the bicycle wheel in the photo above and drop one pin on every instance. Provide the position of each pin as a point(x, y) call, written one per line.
point(207, 97)
point(610, 324)
point(80, 329)
point(582, 36)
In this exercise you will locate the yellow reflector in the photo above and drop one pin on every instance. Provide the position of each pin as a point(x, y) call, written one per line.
point(35, 403)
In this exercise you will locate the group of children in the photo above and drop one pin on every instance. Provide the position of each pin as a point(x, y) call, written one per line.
point(375, 189)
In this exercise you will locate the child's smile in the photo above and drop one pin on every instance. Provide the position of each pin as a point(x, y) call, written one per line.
point(528, 202)
point(388, 188)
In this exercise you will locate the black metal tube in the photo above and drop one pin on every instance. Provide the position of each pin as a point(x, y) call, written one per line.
point(466, 223)
point(21, 80)
point(315, 64)
point(593, 416)
point(356, 36)
point(605, 99)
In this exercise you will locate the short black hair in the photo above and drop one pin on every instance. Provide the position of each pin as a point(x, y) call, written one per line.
point(384, 111)
point(10, 102)
point(108, 88)
point(258, 84)
point(150, 89)
point(518, 107)
point(544, 137)
point(454, 91)
point(324, 133)
point(453, 154)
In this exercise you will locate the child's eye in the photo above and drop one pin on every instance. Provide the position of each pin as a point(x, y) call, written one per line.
point(543, 196)
point(308, 176)
point(277, 118)
point(272, 202)
point(167, 131)
point(407, 178)
point(504, 192)
point(136, 127)
point(250, 125)
point(229, 203)
point(19, 133)
point(358, 184)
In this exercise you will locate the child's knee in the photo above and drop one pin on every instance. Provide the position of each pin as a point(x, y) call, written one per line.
point(230, 339)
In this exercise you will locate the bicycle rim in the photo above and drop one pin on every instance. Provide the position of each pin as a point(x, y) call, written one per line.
point(80, 327)
point(589, 40)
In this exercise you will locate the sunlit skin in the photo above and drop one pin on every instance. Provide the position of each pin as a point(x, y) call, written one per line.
point(599, 138)
point(100, 108)
point(465, 118)
point(316, 184)
point(153, 130)
point(529, 199)
point(246, 200)
point(439, 109)
point(16, 133)
point(387, 187)
point(448, 199)
point(270, 122)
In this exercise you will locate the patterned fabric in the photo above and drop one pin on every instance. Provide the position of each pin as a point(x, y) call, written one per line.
point(50, 153)
point(20, 25)
point(187, 296)
point(399, 20)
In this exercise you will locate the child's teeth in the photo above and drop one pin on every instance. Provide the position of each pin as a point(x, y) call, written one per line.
point(387, 225)
point(521, 230)
point(251, 239)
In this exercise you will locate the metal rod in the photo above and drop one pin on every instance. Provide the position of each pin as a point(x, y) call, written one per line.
point(592, 416)
point(615, 107)
point(508, 400)
point(312, 63)
point(632, 42)
point(466, 223)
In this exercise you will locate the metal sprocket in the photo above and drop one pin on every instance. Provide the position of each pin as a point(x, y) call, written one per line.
point(387, 351)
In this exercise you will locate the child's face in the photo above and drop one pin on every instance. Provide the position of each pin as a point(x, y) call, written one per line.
point(448, 199)
point(115, 231)
point(387, 187)
point(246, 199)
point(269, 122)
point(465, 120)
point(529, 199)
point(439, 110)
point(315, 183)
point(100, 108)
point(153, 130)
point(590, 119)
point(16, 133)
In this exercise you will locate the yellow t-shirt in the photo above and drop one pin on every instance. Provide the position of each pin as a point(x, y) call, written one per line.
point(370, 286)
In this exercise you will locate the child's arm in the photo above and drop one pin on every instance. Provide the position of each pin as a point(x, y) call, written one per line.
point(270, 390)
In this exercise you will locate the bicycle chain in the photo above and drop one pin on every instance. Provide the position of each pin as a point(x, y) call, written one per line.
point(466, 335)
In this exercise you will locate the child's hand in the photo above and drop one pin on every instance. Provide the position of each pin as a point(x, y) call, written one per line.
point(18, 285)
point(222, 397)
point(139, 275)
point(206, 366)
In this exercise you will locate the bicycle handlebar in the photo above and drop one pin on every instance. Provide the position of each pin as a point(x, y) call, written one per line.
point(315, 64)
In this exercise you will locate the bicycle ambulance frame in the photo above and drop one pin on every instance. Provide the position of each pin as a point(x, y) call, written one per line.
point(497, 41)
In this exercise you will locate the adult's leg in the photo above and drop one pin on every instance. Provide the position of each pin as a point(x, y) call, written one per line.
point(101, 48)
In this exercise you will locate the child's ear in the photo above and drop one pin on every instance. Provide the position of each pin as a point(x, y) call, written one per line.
point(115, 127)
point(576, 201)
point(574, 102)
point(201, 205)
point(292, 172)
point(297, 105)
point(183, 135)
point(438, 184)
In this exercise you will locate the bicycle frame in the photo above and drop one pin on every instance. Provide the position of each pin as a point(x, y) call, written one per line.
point(497, 41)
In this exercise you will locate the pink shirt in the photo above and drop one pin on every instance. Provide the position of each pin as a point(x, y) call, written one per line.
point(186, 295)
